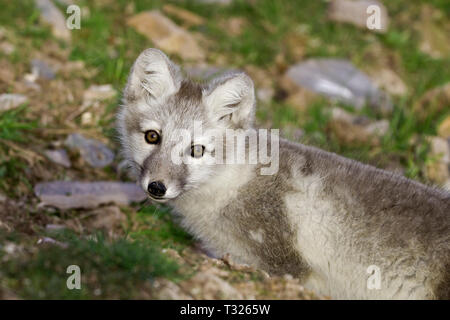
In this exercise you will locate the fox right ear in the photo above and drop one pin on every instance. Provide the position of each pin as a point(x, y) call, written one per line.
point(231, 99)
point(152, 76)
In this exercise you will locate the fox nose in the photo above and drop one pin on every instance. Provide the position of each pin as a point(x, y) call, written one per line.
point(156, 188)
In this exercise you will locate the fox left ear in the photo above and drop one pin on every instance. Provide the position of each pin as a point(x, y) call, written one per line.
point(152, 76)
point(231, 99)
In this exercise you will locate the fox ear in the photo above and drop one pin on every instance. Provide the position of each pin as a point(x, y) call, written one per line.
point(153, 76)
point(231, 98)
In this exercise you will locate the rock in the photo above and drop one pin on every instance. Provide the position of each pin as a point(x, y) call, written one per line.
point(265, 94)
point(51, 15)
point(444, 128)
point(354, 130)
point(7, 48)
point(378, 128)
point(66, 195)
point(87, 119)
point(389, 81)
point(31, 85)
point(66, 2)
point(108, 218)
point(263, 82)
point(58, 156)
point(260, 76)
point(208, 285)
point(447, 185)
point(437, 170)
point(204, 72)
point(221, 2)
point(42, 70)
point(380, 57)
point(3, 32)
point(53, 242)
point(30, 78)
point(433, 33)
point(174, 255)
point(55, 227)
point(92, 151)
point(227, 260)
point(340, 80)
point(351, 135)
point(99, 92)
point(167, 290)
point(280, 64)
point(355, 12)
point(11, 248)
point(10, 101)
point(440, 148)
point(432, 102)
point(296, 43)
point(234, 26)
point(166, 35)
point(301, 99)
point(7, 73)
point(189, 18)
point(288, 288)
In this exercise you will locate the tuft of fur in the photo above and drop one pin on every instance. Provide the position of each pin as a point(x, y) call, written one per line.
point(323, 218)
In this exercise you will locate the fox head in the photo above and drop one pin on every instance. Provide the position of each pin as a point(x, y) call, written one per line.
point(157, 120)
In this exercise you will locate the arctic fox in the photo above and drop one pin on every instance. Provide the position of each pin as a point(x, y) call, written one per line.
point(345, 229)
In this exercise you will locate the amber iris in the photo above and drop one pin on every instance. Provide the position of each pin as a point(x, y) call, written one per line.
point(152, 137)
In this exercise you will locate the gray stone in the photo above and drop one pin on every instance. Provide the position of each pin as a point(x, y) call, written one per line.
point(55, 227)
point(53, 242)
point(340, 80)
point(51, 15)
point(7, 48)
point(99, 92)
point(42, 70)
point(92, 151)
point(10, 101)
point(355, 12)
point(221, 2)
point(58, 156)
point(204, 72)
point(88, 195)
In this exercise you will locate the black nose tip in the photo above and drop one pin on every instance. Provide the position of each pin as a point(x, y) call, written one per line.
point(157, 188)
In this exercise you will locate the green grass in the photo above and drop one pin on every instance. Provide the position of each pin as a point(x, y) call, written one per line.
point(13, 128)
point(109, 268)
point(122, 267)
point(157, 225)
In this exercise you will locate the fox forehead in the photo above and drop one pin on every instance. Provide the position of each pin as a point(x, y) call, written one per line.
point(179, 110)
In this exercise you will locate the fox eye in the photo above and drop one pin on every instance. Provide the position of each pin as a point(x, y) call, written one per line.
point(197, 151)
point(152, 137)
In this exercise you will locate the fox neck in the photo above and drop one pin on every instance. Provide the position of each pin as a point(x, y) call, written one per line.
point(217, 192)
point(200, 210)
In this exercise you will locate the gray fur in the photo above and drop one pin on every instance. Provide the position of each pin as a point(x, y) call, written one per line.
point(321, 217)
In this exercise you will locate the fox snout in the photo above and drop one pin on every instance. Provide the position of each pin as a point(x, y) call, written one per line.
point(161, 190)
point(160, 177)
point(156, 189)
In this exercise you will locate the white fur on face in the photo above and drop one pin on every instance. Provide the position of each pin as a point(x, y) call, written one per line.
point(139, 148)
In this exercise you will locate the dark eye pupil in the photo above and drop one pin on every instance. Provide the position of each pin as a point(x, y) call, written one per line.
point(152, 137)
point(197, 151)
